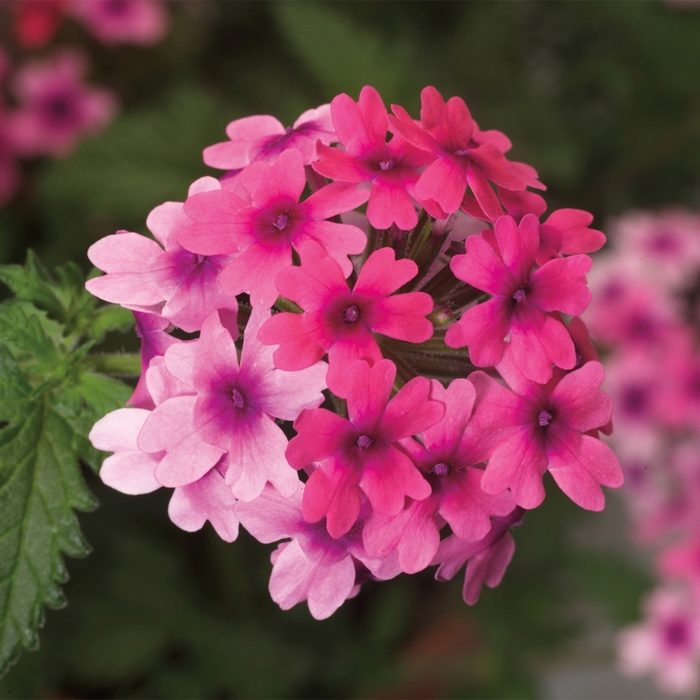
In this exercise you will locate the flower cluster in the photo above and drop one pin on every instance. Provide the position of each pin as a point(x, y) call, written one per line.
point(646, 312)
point(388, 354)
point(53, 107)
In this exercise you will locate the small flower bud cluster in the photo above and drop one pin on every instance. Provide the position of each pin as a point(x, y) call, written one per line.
point(647, 290)
point(389, 353)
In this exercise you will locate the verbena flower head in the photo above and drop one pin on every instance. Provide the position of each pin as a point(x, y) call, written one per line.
point(355, 425)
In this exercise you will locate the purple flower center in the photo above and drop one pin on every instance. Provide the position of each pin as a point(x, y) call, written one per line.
point(461, 152)
point(387, 164)
point(281, 222)
point(352, 314)
point(520, 294)
point(365, 441)
point(544, 418)
point(237, 398)
point(116, 7)
point(59, 109)
point(676, 634)
point(441, 469)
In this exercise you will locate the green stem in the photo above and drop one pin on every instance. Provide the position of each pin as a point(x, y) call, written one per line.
point(125, 363)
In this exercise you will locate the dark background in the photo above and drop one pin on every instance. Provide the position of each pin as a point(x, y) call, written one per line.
point(602, 98)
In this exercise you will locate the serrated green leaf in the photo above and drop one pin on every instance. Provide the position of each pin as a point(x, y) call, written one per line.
point(82, 404)
point(14, 389)
point(22, 330)
point(344, 57)
point(40, 486)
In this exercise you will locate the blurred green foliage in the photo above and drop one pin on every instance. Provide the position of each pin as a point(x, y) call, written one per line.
point(601, 98)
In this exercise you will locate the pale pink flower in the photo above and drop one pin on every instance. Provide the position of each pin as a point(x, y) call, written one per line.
point(231, 411)
point(314, 566)
point(667, 644)
point(141, 275)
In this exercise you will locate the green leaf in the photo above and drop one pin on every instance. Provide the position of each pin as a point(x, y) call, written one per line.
point(14, 389)
point(23, 330)
point(345, 57)
point(40, 485)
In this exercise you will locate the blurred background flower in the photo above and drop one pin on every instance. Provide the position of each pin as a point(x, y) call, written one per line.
point(602, 99)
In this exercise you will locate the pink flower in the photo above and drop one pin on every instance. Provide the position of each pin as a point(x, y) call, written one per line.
point(447, 131)
point(666, 644)
point(360, 455)
point(275, 223)
point(56, 109)
point(446, 458)
point(141, 276)
point(128, 470)
point(263, 138)
point(314, 566)
point(564, 232)
point(535, 428)
point(390, 168)
point(230, 411)
point(340, 321)
point(500, 264)
point(143, 22)
point(155, 340)
point(487, 559)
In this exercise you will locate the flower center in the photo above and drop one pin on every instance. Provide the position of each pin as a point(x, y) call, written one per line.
point(237, 398)
point(387, 164)
point(544, 418)
point(441, 469)
point(520, 294)
point(461, 152)
point(281, 222)
point(352, 314)
point(676, 634)
point(365, 441)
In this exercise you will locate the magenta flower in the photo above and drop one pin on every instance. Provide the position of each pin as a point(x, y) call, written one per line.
point(230, 411)
point(389, 167)
point(263, 138)
point(360, 455)
point(275, 223)
point(340, 321)
point(534, 429)
point(56, 109)
point(142, 22)
point(501, 265)
point(447, 131)
point(487, 559)
point(448, 460)
point(314, 566)
point(564, 232)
